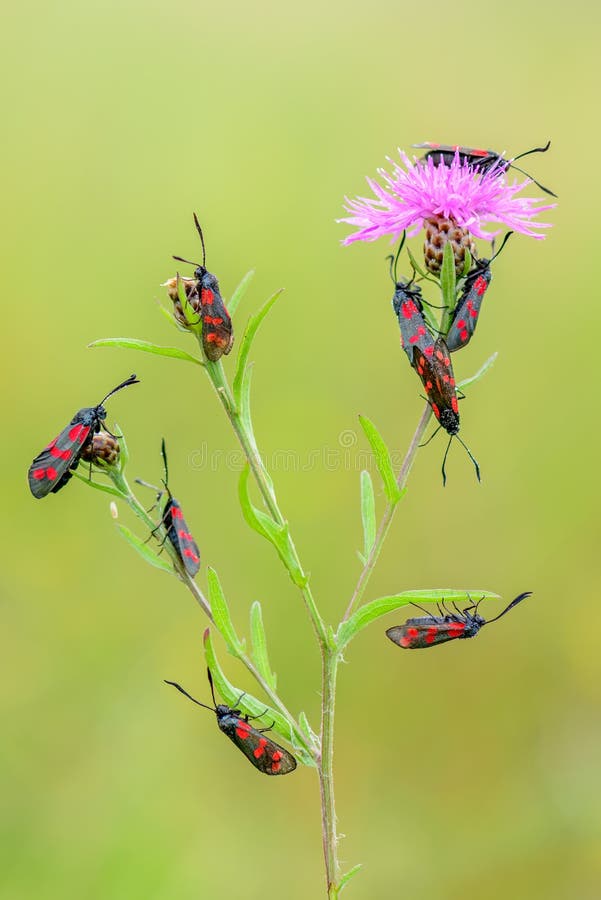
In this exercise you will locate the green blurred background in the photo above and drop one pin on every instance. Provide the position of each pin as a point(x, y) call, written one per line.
point(472, 771)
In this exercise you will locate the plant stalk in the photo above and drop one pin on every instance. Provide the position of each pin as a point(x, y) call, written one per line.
point(388, 515)
point(247, 442)
point(326, 772)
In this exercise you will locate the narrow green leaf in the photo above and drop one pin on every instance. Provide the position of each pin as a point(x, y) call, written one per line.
point(239, 293)
point(383, 460)
point(415, 264)
point(482, 371)
point(144, 550)
point(384, 605)
point(368, 512)
point(146, 347)
point(420, 270)
point(259, 645)
point(100, 487)
point(221, 614)
point(347, 877)
point(448, 281)
point(243, 700)
point(264, 525)
point(246, 343)
point(467, 262)
point(123, 448)
point(303, 721)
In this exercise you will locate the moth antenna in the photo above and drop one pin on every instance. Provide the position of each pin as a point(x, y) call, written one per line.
point(394, 258)
point(133, 379)
point(533, 180)
point(165, 466)
point(202, 240)
point(535, 150)
point(210, 677)
point(504, 241)
point(189, 696)
point(444, 462)
point(513, 603)
point(187, 261)
point(467, 450)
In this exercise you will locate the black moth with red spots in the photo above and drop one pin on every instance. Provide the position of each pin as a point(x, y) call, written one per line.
point(427, 631)
point(174, 523)
point(407, 303)
point(467, 311)
point(264, 754)
point(480, 159)
point(53, 467)
point(435, 369)
point(205, 298)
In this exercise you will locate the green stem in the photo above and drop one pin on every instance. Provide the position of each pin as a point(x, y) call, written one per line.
point(326, 772)
point(388, 515)
point(264, 483)
point(134, 504)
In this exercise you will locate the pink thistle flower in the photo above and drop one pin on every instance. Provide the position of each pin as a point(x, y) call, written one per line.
point(459, 192)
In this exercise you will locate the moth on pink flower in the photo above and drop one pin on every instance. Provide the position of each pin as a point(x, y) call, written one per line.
point(460, 193)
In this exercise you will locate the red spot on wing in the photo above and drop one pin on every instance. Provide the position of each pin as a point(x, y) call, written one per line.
point(79, 433)
point(480, 285)
point(456, 628)
point(191, 555)
point(454, 405)
point(436, 410)
point(431, 634)
point(408, 308)
point(275, 761)
point(176, 513)
point(38, 474)
point(51, 473)
point(59, 454)
point(243, 729)
point(206, 297)
point(409, 637)
point(260, 748)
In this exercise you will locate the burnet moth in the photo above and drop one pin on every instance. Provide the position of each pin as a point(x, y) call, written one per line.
point(175, 525)
point(407, 303)
point(436, 372)
point(467, 310)
point(53, 467)
point(482, 160)
point(264, 754)
point(205, 299)
point(427, 631)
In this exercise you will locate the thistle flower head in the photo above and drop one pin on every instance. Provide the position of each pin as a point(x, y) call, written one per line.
point(420, 190)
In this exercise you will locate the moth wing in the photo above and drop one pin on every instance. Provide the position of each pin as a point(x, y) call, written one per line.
point(217, 330)
point(265, 755)
point(49, 471)
point(419, 634)
point(180, 537)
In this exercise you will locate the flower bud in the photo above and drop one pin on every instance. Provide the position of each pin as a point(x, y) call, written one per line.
point(104, 447)
point(439, 231)
point(189, 285)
